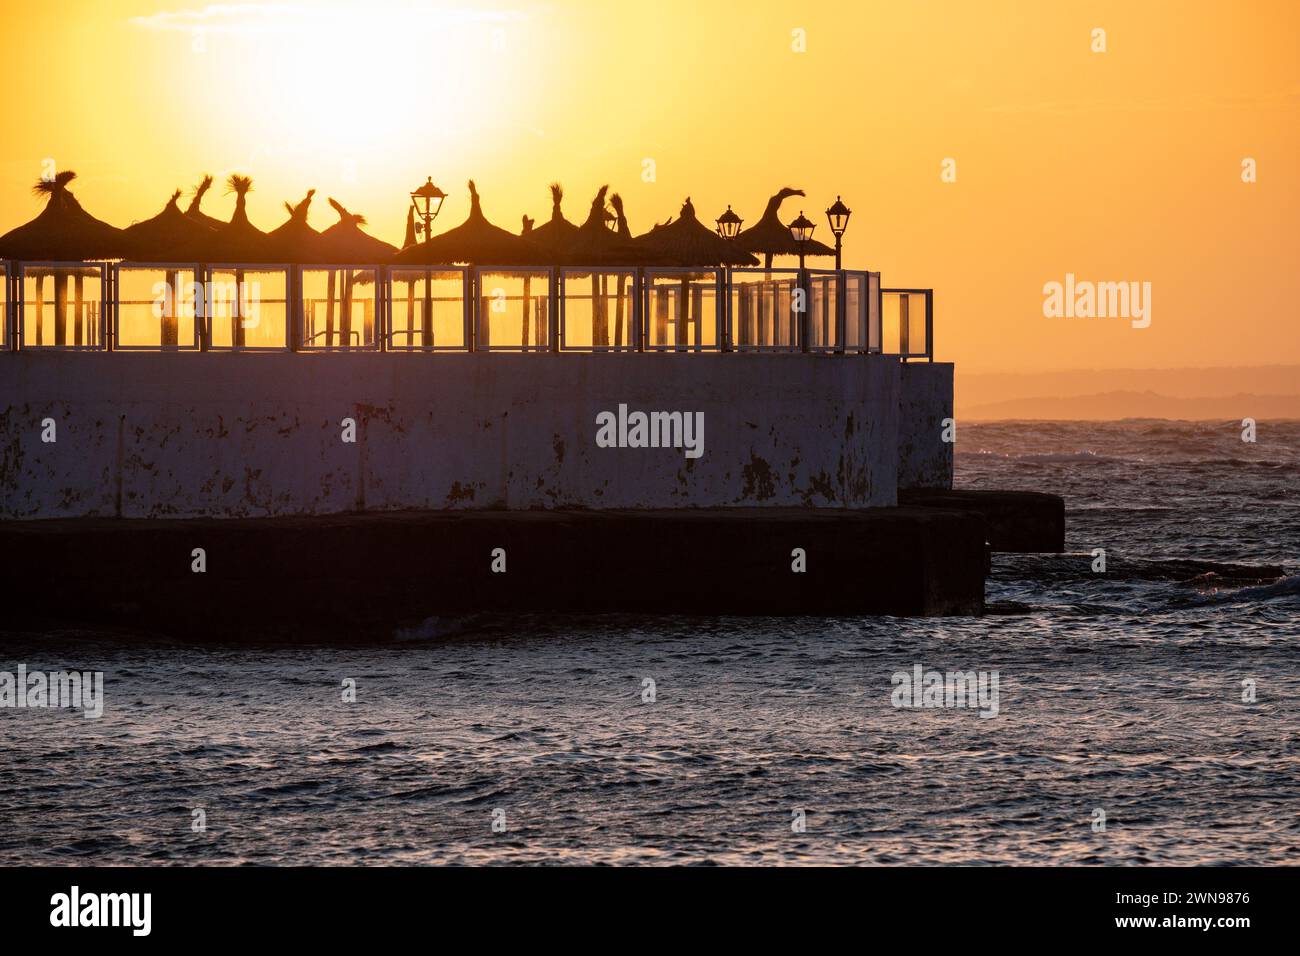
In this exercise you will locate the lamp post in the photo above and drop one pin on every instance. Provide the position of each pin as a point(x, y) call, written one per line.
point(802, 230)
point(427, 201)
point(838, 215)
point(728, 228)
point(729, 224)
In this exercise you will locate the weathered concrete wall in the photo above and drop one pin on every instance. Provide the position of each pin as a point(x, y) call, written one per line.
point(148, 435)
point(924, 458)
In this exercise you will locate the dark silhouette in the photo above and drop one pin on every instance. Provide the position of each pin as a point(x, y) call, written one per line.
point(63, 232)
point(771, 237)
point(194, 211)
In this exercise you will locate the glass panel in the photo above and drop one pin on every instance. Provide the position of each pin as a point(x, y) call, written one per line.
point(855, 311)
point(916, 324)
point(904, 323)
point(247, 308)
point(156, 308)
point(63, 306)
point(598, 309)
point(823, 332)
point(4, 307)
point(513, 309)
point(338, 308)
point(762, 310)
point(427, 309)
point(681, 310)
point(873, 311)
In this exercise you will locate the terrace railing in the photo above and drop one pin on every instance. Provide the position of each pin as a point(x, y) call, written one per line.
point(145, 306)
point(908, 316)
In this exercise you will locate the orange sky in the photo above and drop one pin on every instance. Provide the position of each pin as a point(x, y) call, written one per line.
point(1115, 166)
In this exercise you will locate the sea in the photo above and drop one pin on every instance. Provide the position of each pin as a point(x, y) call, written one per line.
point(1146, 708)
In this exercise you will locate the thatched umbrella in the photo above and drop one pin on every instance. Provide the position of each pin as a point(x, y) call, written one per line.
point(345, 242)
point(770, 237)
point(557, 232)
point(594, 244)
point(194, 211)
point(527, 232)
point(239, 241)
point(295, 240)
point(62, 232)
point(688, 242)
point(475, 241)
point(170, 236)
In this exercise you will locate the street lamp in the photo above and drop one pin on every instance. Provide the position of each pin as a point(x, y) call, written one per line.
point(802, 230)
point(838, 215)
point(427, 201)
point(729, 224)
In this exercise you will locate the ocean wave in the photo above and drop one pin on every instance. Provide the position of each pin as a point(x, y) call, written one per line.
point(1043, 457)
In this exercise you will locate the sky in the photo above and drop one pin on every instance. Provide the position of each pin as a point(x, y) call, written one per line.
point(986, 149)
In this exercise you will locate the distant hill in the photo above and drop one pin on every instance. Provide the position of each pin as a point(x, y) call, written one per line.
point(1100, 394)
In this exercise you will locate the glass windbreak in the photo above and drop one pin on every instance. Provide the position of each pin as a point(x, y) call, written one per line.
point(513, 309)
point(762, 310)
point(598, 309)
point(247, 308)
point(681, 311)
point(904, 322)
point(426, 309)
point(823, 310)
point(157, 307)
point(339, 308)
point(874, 342)
point(856, 314)
point(63, 307)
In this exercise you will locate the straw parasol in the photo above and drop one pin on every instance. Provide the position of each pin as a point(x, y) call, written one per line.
point(556, 233)
point(170, 236)
point(770, 237)
point(594, 244)
point(476, 241)
point(345, 242)
point(239, 241)
point(63, 232)
point(688, 242)
point(194, 211)
point(295, 240)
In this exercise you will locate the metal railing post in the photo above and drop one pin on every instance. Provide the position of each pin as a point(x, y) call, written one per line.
point(929, 325)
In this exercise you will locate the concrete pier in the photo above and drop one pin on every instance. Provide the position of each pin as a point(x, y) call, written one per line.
point(363, 576)
point(1023, 521)
point(148, 435)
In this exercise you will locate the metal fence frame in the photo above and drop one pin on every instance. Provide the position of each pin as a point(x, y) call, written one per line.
point(472, 302)
point(634, 301)
point(720, 290)
point(298, 317)
point(13, 318)
point(290, 311)
point(107, 296)
point(904, 331)
point(200, 319)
